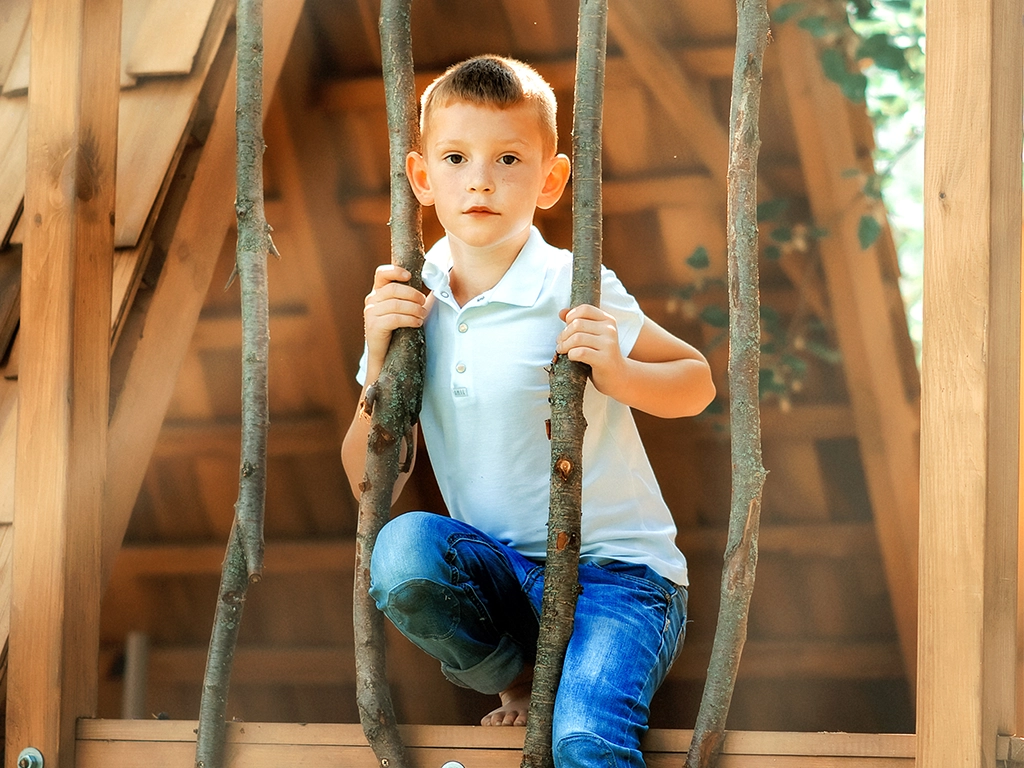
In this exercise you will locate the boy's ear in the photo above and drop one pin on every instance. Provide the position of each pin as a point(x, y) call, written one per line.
point(416, 172)
point(554, 183)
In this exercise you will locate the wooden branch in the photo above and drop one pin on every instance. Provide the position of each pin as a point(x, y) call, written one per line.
point(399, 392)
point(744, 365)
point(568, 383)
point(243, 562)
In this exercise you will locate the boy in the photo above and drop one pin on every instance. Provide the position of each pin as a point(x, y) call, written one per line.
point(467, 589)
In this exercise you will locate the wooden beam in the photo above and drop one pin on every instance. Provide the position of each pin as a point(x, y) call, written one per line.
point(971, 366)
point(813, 540)
point(332, 665)
point(159, 338)
point(690, 109)
point(309, 258)
point(620, 196)
point(289, 436)
point(64, 374)
point(867, 321)
point(171, 743)
point(708, 61)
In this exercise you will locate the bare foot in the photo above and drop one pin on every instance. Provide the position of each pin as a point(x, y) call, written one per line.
point(515, 702)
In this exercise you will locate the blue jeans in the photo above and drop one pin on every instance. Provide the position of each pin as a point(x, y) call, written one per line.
point(473, 603)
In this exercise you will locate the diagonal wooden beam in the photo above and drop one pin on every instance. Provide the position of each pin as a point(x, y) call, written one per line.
point(690, 110)
point(64, 374)
point(157, 340)
point(868, 315)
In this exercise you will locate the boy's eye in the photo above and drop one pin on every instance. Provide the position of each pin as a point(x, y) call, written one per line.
point(454, 159)
point(508, 160)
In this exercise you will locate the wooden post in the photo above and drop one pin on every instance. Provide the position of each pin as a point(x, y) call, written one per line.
point(969, 440)
point(64, 375)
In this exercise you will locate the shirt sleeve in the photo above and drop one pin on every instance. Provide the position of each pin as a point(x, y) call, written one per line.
point(620, 304)
point(361, 373)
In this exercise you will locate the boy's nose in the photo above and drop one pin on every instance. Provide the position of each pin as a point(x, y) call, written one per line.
point(481, 182)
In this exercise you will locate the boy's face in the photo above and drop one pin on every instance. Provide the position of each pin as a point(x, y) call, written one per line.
point(486, 170)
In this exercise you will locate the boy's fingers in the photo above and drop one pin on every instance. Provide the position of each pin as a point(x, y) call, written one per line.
point(389, 273)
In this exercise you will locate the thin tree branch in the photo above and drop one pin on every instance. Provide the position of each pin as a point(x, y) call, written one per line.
point(397, 394)
point(243, 561)
point(748, 474)
point(568, 383)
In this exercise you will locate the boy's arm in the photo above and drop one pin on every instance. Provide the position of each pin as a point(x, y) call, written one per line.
point(391, 304)
point(663, 375)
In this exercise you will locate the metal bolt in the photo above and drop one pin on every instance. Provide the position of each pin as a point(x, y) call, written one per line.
point(30, 757)
point(453, 764)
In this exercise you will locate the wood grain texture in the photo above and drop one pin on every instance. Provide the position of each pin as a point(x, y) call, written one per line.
point(971, 370)
point(154, 117)
point(13, 24)
point(168, 38)
point(62, 408)
point(255, 745)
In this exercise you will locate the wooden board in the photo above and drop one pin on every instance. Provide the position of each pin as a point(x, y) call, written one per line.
point(13, 138)
point(971, 378)
point(16, 82)
point(64, 392)
point(8, 447)
point(153, 117)
point(163, 744)
point(13, 26)
point(168, 38)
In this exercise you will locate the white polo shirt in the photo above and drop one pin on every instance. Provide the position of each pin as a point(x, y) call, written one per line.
point(485, 404)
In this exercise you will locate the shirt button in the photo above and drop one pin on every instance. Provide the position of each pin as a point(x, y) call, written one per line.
point(444, 294)
point(463, 327)
point(461, 367)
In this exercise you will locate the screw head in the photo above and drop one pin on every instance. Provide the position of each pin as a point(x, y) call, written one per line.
point(30, 757)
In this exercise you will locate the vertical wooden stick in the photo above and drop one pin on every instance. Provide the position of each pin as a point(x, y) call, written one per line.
point(744, 366)
point(243, 560)
point(399, 392)
point(568, 383)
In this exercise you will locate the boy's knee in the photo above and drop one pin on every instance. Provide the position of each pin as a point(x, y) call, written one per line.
point(423, 609)
point(585, 750)
point(402, 552)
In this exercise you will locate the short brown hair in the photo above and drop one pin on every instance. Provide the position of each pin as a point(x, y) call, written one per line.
point(494, 81)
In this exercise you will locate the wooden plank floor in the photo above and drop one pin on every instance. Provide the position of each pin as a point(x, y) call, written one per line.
point(170, 744)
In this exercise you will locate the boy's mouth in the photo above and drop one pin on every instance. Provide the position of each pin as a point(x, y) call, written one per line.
point(479, 209)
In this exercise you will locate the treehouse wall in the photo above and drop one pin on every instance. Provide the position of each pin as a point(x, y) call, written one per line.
point(828, 630)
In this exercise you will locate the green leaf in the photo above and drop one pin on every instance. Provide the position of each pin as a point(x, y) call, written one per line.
point(816, 232)
point(766, 382)
point(824, 352)
point(883, 52)
point(785, 12)
point(795, 364)
point(769, 315)
point(699, 259)
point(868, 231)
point(853, 84)
point(772, 252)
point(818, 26)
point(782, 234)
point(715, 316)
point(770, 210)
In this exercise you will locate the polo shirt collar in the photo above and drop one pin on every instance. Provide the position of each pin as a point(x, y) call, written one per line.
point(520, 285)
